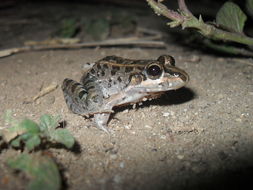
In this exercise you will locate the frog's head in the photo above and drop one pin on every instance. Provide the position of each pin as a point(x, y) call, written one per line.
point(162, 75)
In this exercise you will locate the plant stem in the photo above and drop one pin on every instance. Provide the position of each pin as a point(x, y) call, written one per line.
point(187, 20)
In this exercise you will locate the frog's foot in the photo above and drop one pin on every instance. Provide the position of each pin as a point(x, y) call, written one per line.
point(101, 120)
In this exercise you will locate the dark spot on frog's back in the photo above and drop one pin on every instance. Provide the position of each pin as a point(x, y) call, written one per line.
point(128, 69)
point(74, 86)
point(98, 66)
point(105, 66)
point(66, 83)
point(102, 73)
point(90, 87)
point(92, 71)
point(119, 79)
point(114, 70)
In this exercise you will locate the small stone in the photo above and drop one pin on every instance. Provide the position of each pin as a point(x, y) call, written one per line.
point(220, 96)
point(238, 119)
point(180, 157)
point(163, 137)
point(3, 82)
point(166, 114)
point(113, 156)
point(128, 127)
point(144, 99)
point(147, 126)
point(195, 59)
point(121, 164)
point(126, 111)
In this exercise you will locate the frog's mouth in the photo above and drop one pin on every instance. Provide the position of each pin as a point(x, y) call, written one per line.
point(163, 84)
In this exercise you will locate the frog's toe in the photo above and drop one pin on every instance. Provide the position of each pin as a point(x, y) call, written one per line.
point(104, 128)
point(101, 121)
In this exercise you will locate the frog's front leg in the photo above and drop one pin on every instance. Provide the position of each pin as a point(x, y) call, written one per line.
point(101, 120)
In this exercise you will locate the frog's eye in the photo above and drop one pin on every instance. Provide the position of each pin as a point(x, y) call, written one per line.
point(154, 71)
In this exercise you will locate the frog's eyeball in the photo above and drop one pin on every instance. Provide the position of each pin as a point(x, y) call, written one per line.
point(154, 71)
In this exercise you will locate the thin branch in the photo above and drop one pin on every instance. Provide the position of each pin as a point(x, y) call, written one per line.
point(142, 42)
point(227, 49)
point(161, 9)
point(187, 20)
point(183, 7)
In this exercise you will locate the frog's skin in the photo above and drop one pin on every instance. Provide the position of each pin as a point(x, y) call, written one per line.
point(114, 81)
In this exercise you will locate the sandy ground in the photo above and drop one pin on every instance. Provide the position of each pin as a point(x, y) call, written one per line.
point(198, 137)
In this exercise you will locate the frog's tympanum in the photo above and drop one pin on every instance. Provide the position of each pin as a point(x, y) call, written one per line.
point(115, 81)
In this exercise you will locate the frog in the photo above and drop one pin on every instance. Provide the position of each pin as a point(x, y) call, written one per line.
point(114, 81)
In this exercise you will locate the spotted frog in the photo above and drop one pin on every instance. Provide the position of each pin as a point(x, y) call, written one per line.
point(115, 81)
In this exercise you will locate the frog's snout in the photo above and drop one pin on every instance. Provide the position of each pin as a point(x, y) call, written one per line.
point(184, 77)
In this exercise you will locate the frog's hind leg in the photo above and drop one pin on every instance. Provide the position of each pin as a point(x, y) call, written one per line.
point(75, 96)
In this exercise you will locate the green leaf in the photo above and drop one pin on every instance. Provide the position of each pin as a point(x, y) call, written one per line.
point(99, 29)
point(16, 142)
point(41, 169)
point(231, 17)
point(48, 122)
point(249, 7)
point(69, 28)
point(29, 126)
point(64, 137)
point(32, 142)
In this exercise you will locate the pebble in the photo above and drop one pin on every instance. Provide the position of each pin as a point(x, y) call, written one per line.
point(126, 111)
point(180, 156)
point(113, 156)
point(195, 59)
point(163, 137)
point(3, 83)
point(220, 96)
point(238, 119)
point(128, 126)
point(166, 114)
point(121, 164)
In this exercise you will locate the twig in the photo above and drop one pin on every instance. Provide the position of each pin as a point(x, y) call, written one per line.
point(247, 62)
point(227, 49)
point(45, 91)
point(142, 42)
point(183, 7)
point(187, 20)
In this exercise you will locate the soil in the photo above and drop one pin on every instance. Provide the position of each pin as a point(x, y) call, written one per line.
point(197, 137)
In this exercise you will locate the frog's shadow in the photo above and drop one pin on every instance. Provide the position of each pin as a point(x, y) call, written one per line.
point(172, 97)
